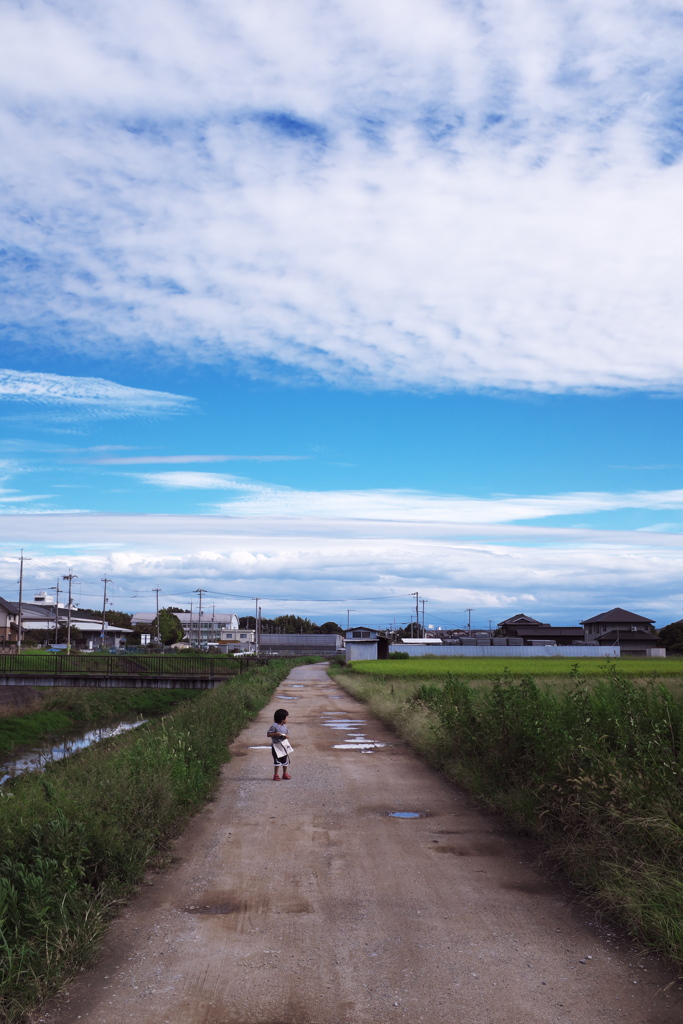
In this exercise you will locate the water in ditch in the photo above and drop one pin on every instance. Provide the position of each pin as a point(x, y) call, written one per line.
point(56, 749)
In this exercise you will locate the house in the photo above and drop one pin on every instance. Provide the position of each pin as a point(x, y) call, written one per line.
point(532, 632)
point(237, 639)
point(616, 620)
point(509, 626)
point(365, 643)
point(8, 621)
point(43, 614)
point(633, 641)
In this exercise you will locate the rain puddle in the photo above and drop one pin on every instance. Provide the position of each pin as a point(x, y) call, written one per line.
point(355, 739)
point(404, 814)
point(281, 696)
point(296, 686)
point(259, 748)
point(369, 745)
point(36, 760)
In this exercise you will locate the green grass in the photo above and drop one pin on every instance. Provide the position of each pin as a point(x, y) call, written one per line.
point(75, 840)
point(593, 768)
point(546, 668)
point(66, 708)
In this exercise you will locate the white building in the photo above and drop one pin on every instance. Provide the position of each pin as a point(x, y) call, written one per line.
point(210, 630)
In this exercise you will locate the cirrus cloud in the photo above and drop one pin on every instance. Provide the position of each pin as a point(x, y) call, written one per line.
point(440, 195)
point(90, 395)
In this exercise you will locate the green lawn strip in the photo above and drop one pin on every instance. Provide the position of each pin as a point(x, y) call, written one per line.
point(67, 708)
point(594, 770)
point(75, 840)
point(487, 668)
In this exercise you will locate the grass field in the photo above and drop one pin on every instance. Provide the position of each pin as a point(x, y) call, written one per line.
point(517, 668)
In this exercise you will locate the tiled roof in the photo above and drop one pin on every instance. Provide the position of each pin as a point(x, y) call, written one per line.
point(617, 615)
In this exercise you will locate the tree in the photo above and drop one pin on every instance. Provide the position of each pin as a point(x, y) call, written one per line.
point(171, 629)
point(672, 636)
point(120, 619)
point(331, 627)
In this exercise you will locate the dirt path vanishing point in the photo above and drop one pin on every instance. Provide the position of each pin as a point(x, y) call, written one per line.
point(304, 902)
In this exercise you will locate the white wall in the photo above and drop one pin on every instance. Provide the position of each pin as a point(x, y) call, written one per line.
point(415, 651)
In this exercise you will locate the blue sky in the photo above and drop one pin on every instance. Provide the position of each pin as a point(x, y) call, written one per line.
point(325, 304)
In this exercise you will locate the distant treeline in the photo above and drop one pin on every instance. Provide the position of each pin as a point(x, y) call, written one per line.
point(290, 624)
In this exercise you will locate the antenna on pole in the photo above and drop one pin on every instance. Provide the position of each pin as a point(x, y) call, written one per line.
point(102, 634)
point(20, 620)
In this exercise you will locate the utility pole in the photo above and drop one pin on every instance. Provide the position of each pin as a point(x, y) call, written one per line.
point(104, 609)
point(256, 629)
point(191, 603)
point(20, 622)
point(422, 599)
point(417, 613)
point(56, 610)
point(71, 577)
point(156, 591)
point(469, 620)
point(199, 626)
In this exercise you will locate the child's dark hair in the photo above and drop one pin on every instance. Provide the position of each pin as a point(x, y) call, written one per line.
point(280, 716)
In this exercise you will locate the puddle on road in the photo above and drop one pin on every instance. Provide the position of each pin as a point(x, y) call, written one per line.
point(281, 696)
point(370, 745)
point(259, 748)
point(405, 814)
point(37, 760)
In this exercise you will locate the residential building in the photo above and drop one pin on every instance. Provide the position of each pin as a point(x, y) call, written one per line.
point(531, 631)
point(633, 641)
point(44, 614)
point(615, 620)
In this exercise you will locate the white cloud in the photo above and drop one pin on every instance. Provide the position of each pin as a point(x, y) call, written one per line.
point(393, 194)
point(322, 567)
point(91, 394)
point(407, 505)
point(141, 460)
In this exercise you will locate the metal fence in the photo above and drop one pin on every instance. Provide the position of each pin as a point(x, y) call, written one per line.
point(121, 665)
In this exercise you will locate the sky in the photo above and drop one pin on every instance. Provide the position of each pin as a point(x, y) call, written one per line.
point(327, 303)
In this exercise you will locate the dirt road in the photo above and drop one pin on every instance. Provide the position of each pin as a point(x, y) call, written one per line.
point(305, 902)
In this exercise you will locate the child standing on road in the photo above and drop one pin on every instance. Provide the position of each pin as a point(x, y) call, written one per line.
point(276, 734)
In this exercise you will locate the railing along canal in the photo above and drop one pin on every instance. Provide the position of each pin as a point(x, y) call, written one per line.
point(140, 665)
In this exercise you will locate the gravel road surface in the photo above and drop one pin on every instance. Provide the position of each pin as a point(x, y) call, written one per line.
point(306, 902)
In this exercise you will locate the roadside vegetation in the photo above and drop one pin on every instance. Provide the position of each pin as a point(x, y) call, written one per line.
point(592, 767)
point(75, 840)
point(61, 709)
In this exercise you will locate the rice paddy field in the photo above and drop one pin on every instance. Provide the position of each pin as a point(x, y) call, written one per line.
point(518, 668)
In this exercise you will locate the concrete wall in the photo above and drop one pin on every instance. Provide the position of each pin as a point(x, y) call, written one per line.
point(362, 650)
point(419, 651)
